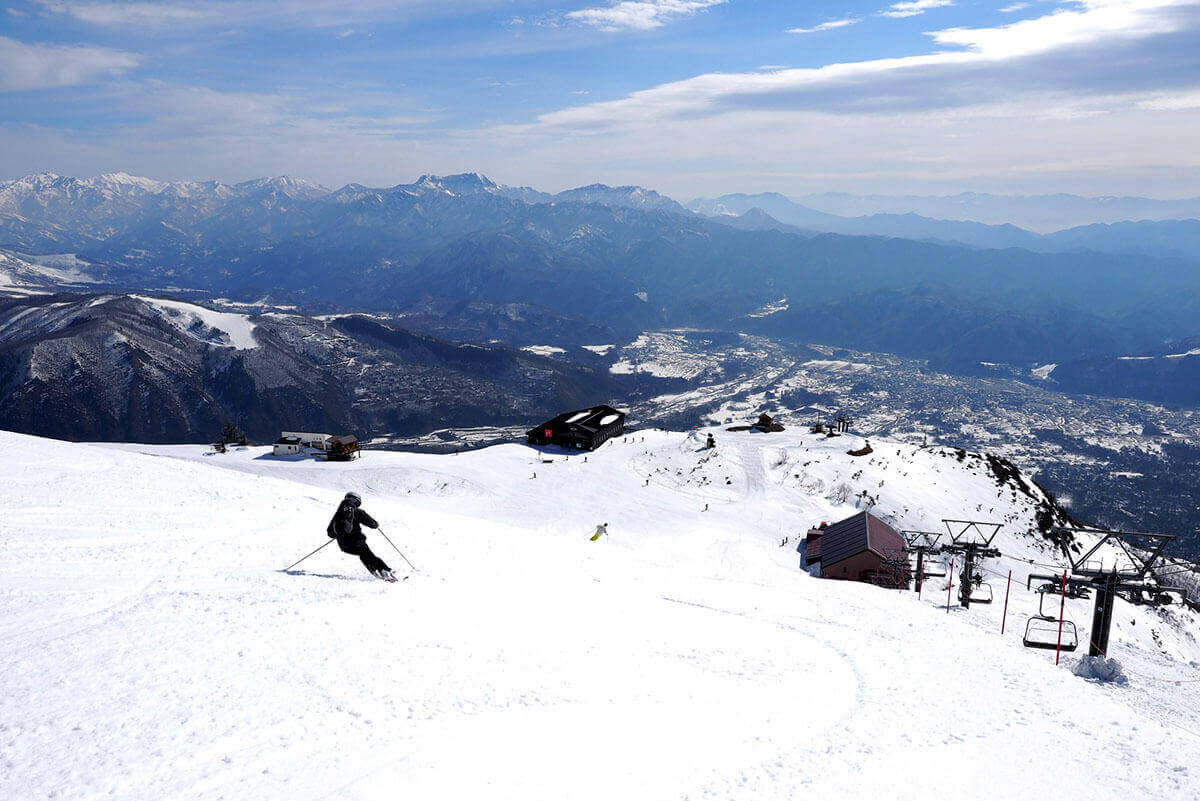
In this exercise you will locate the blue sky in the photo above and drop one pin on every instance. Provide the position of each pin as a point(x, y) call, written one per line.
point(692, 97)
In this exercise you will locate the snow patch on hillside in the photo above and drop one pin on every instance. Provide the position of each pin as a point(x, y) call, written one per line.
point(1043, 372)
point(665, 354)
point(233, 330)
point(543, 350)
point(768, 309)
point(21, 274)
point(839, 365)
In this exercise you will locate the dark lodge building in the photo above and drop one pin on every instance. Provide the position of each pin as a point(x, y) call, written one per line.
point(859, 548)
point(342, 449)
point(583, 429)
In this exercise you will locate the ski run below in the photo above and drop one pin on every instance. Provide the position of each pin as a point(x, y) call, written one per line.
point(152, 648)
point(224, 328)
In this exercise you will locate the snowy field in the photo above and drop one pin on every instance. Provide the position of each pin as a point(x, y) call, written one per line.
point(153, 649)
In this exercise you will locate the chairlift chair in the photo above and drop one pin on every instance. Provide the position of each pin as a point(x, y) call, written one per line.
point(981, 593)
point(1042, 629)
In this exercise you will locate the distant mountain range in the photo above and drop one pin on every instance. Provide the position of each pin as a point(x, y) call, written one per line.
point(950, 328)
point(1159, 238)
point(1167, 374)
point(1041, 213)
point(465, 257)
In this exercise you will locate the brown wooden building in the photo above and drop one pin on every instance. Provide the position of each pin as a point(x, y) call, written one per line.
point(342, 449)
point(859, 548)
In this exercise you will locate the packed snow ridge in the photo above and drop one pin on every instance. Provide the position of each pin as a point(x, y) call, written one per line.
point(153, 648)
point(234, 330)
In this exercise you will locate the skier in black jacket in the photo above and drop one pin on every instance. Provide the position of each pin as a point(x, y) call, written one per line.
point(346, 527)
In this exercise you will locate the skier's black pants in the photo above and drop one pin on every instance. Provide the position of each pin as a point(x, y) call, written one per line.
point(359, 548)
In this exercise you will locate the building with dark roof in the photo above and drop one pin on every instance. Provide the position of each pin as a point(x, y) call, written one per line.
point(810, 549)
point(342, 449)
point(287, 446)
point(582, 429)
point(862, 548)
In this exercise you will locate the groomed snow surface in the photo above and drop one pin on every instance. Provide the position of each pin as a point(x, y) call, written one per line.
point(229, 329)
point(152, 649)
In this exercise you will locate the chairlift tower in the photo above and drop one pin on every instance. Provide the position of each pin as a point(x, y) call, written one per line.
point(921, 543)
point(1135, 585)
point(973, 540)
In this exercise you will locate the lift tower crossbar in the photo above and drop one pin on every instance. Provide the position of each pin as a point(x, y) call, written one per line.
point(921, 543)
point(1137, 586)
point(972, 539)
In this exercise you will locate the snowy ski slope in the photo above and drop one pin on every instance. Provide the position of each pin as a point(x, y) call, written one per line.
point(152, 649)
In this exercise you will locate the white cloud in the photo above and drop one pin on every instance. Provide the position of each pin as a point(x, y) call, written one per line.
point(1101, 97)
point(1172, 102)
point(1094, 22)
point(1014, 7)
point(1028, 147)
point(914, 7)
point(639, 15)
point(283, 13)
point(826, 26)
point(917, 78)
point(137, 14)
point(25, 66)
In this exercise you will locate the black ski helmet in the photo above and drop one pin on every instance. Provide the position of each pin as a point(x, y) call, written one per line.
point(353, 498)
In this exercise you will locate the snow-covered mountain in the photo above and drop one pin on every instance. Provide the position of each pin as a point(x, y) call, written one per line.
point(1165, 374)
point(623, 257)
point(21, 274)
point(634, 197)
point(1042, 213)
point(141, 368)
point(1177, 238)
point(153, 648)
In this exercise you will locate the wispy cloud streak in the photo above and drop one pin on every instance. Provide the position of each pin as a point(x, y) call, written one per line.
point(826, 26)
point(639, 15)
point(914, 7)
point(1085, 33)
point(25, 66)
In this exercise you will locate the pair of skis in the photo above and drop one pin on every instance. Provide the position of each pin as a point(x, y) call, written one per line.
point(389, 576)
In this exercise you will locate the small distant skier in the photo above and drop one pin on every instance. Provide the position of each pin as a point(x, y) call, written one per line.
point(346, 528)
point(601, 531)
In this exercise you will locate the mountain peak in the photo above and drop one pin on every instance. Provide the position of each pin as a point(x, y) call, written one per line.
point(628, 196)
point(463, 183)
point(285, 184)
point(35, 180)
point(125, 180)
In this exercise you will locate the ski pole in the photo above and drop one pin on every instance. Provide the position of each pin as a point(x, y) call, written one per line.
point(402, 556)
point(289, 567)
